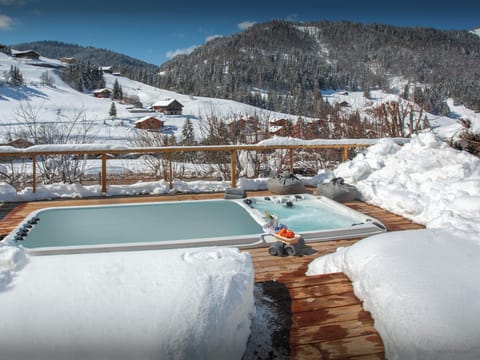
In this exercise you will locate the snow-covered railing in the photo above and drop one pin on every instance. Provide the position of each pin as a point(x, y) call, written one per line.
point(105, 151)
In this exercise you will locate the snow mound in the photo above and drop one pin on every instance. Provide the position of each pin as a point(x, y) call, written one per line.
point(425, 180)
point(173, 304)
point(12, 259)
point(420, 287)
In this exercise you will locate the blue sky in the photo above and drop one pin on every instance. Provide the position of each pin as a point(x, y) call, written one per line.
point(154, 31)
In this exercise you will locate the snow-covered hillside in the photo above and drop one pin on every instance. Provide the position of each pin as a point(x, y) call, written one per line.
point(62, 103)
point(476, 31)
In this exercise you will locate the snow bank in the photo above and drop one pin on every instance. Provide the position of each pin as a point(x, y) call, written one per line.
point(12, 259)
point(175, 304)
point(421, 288)
point(424, 180)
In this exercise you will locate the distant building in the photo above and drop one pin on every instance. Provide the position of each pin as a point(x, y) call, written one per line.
point(68, 60)
point(149, 123)
point(102, 93)
point(168, 107)
point(247, 129)
point(280, 127)
point(27, 54)
point(106, 69)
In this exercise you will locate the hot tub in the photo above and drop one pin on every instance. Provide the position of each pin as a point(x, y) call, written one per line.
point(174, 224)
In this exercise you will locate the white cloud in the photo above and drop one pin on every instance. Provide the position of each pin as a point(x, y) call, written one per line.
point(246, 24)
point(212, 37)
point(6, 22)
point(172, 53)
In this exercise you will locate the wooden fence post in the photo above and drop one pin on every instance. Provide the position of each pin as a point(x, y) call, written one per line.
point(104, 174)
point(233, 166)
point(34, 164)
point(291, 161)
point(170, 171)
point(344, 153)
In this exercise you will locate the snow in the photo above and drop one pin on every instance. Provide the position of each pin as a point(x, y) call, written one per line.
point(61, 103)
point(126, 305)
point(420, 286)
point(424, 180)
point(476, 31)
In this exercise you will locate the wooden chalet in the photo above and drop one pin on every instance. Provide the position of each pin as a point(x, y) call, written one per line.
point(149, 123)
point(102, 93)
point(249, 129)
point(68, 60)
point(106, 69)
point(27, 54)
point(280, 127)
point(168, 107)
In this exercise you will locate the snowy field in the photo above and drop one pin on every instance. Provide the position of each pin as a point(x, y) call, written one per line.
point(60, 103)
point(420, 286)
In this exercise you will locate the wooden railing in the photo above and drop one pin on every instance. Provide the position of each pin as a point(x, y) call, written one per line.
point(104, 152)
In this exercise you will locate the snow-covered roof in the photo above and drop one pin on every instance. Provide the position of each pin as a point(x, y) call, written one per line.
point(97, 91)
point(20, 52)
point(274, 128)
point(165, 102)
point(146, 118)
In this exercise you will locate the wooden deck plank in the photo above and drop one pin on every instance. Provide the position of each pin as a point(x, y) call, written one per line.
point(329, 315)
point(327, 321)
point(314, 291)
point(339, 349)
point(331, 331)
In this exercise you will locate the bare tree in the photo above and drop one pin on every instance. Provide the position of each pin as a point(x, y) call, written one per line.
point(74, 130)
point(399, 120)
point(157, 163)
point(13, 171)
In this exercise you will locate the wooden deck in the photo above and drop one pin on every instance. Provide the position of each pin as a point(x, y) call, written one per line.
point(328, 321)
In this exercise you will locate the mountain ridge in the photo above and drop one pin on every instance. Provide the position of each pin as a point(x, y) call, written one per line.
point(127, 65)
point(291, 62)
point(283, 66)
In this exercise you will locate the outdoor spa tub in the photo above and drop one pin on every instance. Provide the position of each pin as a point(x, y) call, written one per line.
point(239, 223)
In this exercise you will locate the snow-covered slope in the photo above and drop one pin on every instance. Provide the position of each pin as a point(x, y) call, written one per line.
point(60, 102)
point(476, 31)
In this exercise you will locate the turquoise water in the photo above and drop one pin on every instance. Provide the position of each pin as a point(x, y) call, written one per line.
point(83, 226)
point(306, 215)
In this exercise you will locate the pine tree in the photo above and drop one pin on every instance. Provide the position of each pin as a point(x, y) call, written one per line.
point(14, 76)
point(113, 110)
point(188, 136)
point(117, 92)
